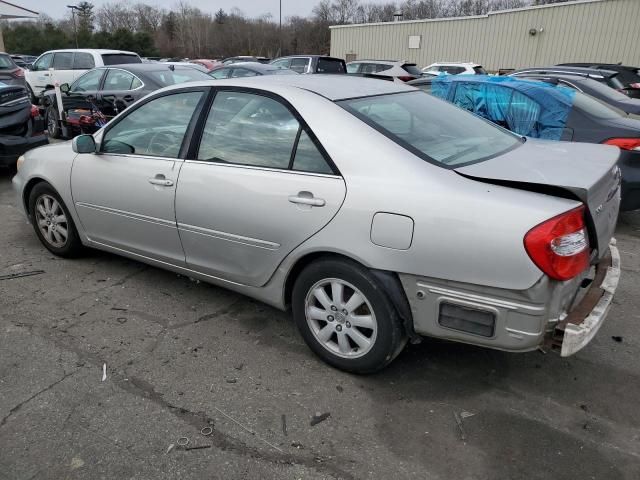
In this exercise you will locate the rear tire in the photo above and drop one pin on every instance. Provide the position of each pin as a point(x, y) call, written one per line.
point(345, 317)
point(52, 222)
point(53, 122)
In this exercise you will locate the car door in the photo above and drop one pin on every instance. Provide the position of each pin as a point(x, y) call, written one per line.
point(62, 68)
point(117, 91)
point(259, 185)
point(124, 194)
point(39, 76)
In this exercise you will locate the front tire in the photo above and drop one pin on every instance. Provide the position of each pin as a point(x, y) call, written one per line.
point(52, 222)
point(345, 317)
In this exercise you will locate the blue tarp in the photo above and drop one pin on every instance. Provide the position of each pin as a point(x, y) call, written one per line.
point(530, 108)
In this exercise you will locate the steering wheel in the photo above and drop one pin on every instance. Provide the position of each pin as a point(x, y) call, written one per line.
point(160, 143)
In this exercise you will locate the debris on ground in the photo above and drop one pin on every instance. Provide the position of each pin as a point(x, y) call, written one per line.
point(284, 424)
point(104, 372)
point(199, 447)
point(616, 338)
point(247, 429)
point(463, 435)
point(11, 276)
point(339, 388)
point(239, 367)
point(464, 414)
point(319, 417)
point(232, 380)
point(297, 445)
point(121, 320)
point(171, 447)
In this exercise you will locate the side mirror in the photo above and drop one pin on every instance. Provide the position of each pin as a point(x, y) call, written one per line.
point(64, 88)
point(84, 144)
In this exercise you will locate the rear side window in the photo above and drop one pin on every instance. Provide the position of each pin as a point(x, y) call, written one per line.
point(118, 80)
point(330, 65)
point(299, 64)
point(308, 158)
point(178, 75)
point(120, 58)
point(479, 70)
point(452, 70)
point(283, 62)
point(627, 76)
point(595, 108)
point(83, 61)
point(63, 61)
point(248, 129)
point(242, 72)
point(614, 82)
point(412, 69)
point(353, 67)
point(220, 73)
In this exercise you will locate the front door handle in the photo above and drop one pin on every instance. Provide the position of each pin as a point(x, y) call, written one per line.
point(160, 179)
point(307, 198)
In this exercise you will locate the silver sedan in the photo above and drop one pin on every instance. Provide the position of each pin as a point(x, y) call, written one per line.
point(377, 213)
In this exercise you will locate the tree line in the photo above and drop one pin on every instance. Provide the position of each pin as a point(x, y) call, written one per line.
point(189, 32)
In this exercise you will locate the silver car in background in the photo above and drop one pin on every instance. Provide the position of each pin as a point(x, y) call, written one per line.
point(377, 213)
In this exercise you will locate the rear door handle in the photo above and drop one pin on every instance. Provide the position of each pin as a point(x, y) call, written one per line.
point(160, 179)
point(307, 198)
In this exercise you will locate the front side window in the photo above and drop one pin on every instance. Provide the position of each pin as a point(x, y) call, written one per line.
point(248, 129)
point(283, 63)
point(118, 80)
point(433, 129)
point(299, 64)
point(43, 63)
point(157, 128)
point(89, 82)
point(63, 61)
point(83, 61)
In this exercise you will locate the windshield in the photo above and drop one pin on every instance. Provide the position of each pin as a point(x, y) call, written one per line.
point(120, 58)
point(433, 129)
point(178, 75)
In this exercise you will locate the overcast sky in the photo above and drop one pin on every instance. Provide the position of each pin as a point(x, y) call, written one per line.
point(251, 8)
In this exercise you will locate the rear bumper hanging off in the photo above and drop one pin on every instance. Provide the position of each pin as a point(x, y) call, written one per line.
point(582, 323)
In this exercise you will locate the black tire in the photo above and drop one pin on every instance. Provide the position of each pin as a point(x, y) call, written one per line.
point(53, 122)
point(72, 246)
point(390, 337)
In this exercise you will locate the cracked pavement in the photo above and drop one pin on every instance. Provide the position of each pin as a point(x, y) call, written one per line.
point(182, 355)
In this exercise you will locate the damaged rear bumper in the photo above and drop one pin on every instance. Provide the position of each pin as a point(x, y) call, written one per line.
point(584, 320)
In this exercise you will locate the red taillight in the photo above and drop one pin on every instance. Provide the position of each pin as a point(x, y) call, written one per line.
point(35, 111)
point(405, 78)
point(19, 73)
point(624, 143)
point(560, 246)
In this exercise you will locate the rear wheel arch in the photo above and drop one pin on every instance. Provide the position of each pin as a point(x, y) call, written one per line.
point(389, 282)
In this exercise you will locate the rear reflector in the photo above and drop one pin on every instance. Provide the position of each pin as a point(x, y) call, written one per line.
point(560, 246)
point(19, 73)
point(465, 319)
point(624, 143)
point(406, 78)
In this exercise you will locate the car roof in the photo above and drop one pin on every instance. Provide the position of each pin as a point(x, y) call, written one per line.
point(255, 66)
point(562, 76)
point(568, 69)
point(371, 60)
point(91, 50)
point(331, 87)
point(468, 64)
point(307, 56)
point(152, 67)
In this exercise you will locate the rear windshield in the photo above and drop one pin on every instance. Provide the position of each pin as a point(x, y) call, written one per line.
point(179, 75)
point(120, 58)
point(6, 62)
point(433, 129)
point(412, 69)
point(479, 70)
point(595, 108)
point(330, 65)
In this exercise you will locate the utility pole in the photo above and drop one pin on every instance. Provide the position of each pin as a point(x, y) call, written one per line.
point(73, 15)
point(280, 32)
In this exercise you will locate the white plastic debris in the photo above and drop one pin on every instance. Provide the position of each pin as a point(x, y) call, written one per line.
point(104, 372)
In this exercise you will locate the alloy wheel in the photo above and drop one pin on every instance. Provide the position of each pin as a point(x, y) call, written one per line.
point(341, 318)
point(52, 221)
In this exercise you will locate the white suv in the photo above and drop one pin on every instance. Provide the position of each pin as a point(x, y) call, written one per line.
point(64, 66)
point(454, 68)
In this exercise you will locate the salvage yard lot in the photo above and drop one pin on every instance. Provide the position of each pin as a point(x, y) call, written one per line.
point(182, 355)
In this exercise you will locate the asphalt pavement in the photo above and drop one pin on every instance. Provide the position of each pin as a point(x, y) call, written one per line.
point(182, 355)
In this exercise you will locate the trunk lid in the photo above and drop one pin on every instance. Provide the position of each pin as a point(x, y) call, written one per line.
point(586, 171)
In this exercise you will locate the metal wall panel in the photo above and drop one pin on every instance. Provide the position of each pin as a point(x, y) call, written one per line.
point(588, 30)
